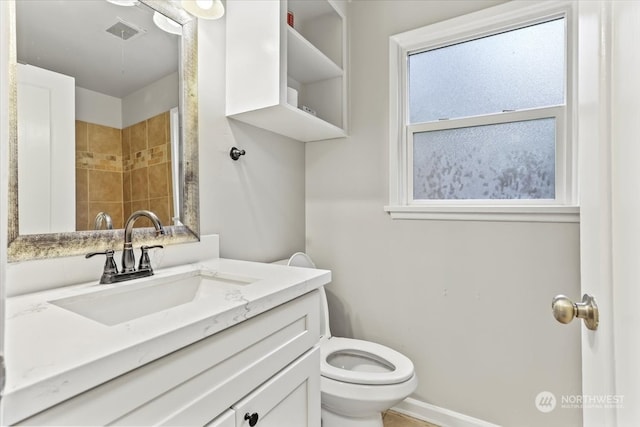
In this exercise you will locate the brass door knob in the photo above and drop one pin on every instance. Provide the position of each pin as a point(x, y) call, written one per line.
point(564, 310)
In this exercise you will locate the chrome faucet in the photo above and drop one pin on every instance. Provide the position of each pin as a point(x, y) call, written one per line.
point(100, 218)
point(110, 272)
point(128, 258)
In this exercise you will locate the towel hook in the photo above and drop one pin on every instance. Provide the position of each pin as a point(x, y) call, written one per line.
point(235, 153)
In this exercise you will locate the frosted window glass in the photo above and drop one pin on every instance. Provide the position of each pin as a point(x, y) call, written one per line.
point(515, 70)
point(502, 161)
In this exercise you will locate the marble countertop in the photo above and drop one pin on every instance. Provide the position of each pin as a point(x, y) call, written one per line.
point(53, 354)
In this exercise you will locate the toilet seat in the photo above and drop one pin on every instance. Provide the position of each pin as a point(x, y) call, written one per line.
point(384, 365)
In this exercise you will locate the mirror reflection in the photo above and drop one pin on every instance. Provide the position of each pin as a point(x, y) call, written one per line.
point(98, 119)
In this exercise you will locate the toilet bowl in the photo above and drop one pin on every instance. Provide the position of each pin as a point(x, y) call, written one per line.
point(359, 379)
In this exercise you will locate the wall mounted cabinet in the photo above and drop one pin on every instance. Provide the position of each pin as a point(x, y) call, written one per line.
point(266, 58)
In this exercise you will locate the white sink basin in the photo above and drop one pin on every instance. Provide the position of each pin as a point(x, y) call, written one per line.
point(128, 301)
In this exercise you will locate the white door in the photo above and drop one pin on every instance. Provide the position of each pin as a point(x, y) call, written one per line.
point(626, 207)
point(609, 134)
point(47, 144)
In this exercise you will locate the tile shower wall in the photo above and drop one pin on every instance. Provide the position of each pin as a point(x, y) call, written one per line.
point(121, 171)
point(98, 174)
point(146, 148)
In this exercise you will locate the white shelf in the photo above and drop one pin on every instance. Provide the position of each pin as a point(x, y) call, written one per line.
point(305, 62)
point(264, 55)
point(287, 120)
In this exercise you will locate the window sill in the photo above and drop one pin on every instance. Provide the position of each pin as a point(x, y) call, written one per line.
point(487, 213)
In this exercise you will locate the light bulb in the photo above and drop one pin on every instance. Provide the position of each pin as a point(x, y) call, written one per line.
point(205, 9)
point(204, 4)
point(166, 24)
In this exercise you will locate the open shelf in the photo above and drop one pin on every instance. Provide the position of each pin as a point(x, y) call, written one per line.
point(287, 120)
point(305, 62)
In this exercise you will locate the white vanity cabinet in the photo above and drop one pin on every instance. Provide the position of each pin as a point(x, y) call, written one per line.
point(266, 57)
point(268, 365)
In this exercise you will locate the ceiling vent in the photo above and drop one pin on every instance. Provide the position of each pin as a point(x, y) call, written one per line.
point(125, 30)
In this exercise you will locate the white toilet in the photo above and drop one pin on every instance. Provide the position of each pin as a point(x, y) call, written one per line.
point(360, 379)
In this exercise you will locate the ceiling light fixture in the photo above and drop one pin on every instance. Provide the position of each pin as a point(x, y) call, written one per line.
point(166, 24)
point(205, 9)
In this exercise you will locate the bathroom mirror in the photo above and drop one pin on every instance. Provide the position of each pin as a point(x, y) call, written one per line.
point(177, 158)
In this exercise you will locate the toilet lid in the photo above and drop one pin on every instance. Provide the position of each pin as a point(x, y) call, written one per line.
point(363, 362)
point(300, 259)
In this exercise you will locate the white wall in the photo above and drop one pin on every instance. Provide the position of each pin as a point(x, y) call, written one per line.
point(98, 108)
point(256, 204)
point(468, 302)
point(158, 97)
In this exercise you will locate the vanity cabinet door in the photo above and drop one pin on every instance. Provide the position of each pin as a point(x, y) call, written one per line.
point(228, 419)
point(289, 399)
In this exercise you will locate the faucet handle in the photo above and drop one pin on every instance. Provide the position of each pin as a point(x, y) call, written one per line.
point(110, 267)
point(145, 262)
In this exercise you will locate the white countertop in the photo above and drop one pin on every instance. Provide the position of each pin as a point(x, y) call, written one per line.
point(53, 354)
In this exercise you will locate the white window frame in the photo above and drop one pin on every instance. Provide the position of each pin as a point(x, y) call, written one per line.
point(495, 20)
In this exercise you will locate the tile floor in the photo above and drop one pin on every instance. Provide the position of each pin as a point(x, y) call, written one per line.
point(395, 419)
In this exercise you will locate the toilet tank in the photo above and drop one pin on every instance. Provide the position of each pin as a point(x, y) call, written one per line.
point(300, 259)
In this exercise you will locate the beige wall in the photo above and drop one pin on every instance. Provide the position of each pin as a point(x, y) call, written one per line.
point(468, 302)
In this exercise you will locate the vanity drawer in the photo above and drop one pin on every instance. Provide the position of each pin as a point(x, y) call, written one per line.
point(213, 373)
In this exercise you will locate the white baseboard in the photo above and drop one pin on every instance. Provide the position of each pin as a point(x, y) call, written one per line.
point(439, 416)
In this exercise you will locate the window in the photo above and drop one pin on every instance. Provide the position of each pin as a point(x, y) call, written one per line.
point(479, 117)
